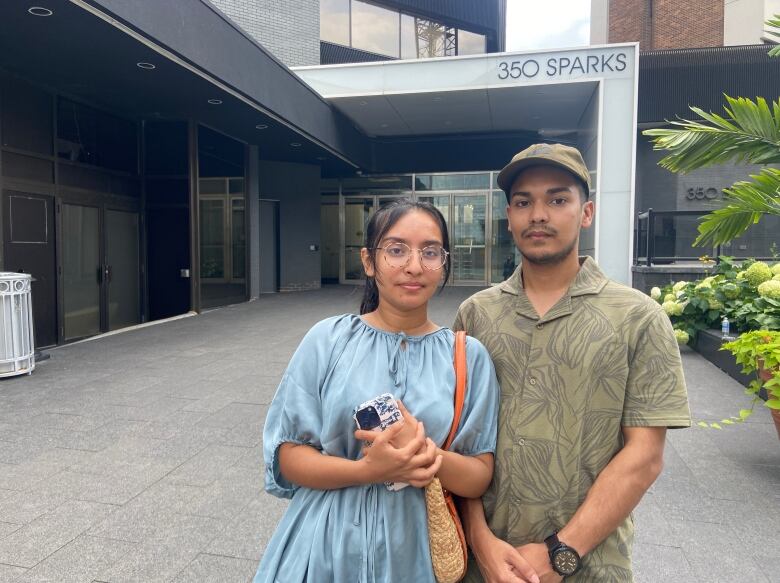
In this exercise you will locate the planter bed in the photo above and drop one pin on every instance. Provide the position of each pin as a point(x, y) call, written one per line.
point(708, 343)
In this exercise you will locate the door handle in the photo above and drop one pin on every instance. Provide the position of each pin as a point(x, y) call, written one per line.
point(108, 273)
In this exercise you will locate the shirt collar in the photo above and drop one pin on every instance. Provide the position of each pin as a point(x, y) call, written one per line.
point(590, 280)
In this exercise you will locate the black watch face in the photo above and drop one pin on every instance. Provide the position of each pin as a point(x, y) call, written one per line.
point(566, 562)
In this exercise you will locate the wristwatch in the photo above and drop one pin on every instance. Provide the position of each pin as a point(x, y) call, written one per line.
point(564, 560)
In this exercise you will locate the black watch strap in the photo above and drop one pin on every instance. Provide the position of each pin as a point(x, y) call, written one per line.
point(556, 548)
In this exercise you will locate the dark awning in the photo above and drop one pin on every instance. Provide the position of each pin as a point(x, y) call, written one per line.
point(90, 49)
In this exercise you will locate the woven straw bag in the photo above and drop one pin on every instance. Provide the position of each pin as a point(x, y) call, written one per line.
point(445, 531)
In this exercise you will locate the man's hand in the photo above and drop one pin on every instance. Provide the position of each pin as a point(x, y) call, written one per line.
point(537, 555)
point(499, 562)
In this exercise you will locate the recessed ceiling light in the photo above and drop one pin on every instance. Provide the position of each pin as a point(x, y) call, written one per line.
point(39, 11)
point(295, 144)
point(144, 65)
point(384, 125)
point(536, 117)
point(437, 98)
point(261, 126)
point(363, 103)
point(448, 123)
point(322, 158)
point(215, 101)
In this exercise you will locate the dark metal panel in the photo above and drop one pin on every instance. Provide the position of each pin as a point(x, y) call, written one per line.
point(457, 153)
point(192, 139)
point(334, 54)
point(671, 80)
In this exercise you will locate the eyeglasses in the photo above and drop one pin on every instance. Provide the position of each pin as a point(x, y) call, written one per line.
point(398, 255)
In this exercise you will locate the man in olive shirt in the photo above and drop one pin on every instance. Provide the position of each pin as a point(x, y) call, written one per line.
point(590, 377)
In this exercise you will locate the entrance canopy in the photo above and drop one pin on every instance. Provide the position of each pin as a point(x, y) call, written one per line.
point(585, 97)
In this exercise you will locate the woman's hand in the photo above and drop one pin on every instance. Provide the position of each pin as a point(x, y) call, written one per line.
point(409, 429)
point(416, 463)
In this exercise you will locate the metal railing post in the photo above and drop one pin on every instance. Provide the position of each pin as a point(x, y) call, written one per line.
point(650, 237)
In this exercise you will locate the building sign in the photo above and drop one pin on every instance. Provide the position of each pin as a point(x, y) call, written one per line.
point(563, 66)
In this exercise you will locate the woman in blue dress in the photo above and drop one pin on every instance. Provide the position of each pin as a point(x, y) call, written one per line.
point(343, 524)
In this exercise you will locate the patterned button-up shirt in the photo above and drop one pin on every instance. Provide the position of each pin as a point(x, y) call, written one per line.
point(603, 357)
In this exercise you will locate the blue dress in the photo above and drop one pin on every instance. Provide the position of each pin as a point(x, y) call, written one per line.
point(365, 534)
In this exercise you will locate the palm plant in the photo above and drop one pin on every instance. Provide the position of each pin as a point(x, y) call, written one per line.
point(748, 132)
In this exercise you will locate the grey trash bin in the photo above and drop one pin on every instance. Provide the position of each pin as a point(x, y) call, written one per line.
point(17, 345)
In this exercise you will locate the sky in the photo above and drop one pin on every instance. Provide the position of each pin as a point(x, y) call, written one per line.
point(535, 24)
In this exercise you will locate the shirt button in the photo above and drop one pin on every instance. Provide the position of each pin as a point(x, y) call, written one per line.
point(539, 326)
point(532, 381)
point(521, 441)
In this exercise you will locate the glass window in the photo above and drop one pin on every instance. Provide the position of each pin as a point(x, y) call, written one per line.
point(334, 21)
point(421, 38)
point(470, 43)
point(505, 256)
point(375, 29)
point(460, 181)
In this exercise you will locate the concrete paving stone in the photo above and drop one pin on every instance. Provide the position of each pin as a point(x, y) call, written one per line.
point(651, 524)
point(20, 451)
point(658, 563)
point(227, 496)
point(143, 517)
point(212, 403)
point(67, 421)
point(163, 557)
point(153, 411)
point(25, 475)
point(100, 438)
point(700, 453)
point(208, 465)
point(247, 535)
point(7, 528)
point(215, 569)
point(244, 434)
point(32, 543)
point(234, 414)
point(10, 573)
point(252, 459)
point(716, 553)
point(79, 561)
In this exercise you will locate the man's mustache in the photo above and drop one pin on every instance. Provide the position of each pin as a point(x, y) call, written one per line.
point(540, 229)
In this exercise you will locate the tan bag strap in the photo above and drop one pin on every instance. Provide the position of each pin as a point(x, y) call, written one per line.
point(460, 384)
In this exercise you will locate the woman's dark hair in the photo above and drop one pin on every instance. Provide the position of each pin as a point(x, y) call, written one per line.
point(382, 221)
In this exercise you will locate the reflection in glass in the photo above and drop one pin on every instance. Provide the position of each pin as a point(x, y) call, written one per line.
point(238, 238)
point(422, 38)
point(375, 29)
point(468, 237)
point(334, 21)
point(357, 212)
point(81, 270)
point(504, 253)
point(470, 43)
point(122, 239)
point(212, 238)
point(442, 203)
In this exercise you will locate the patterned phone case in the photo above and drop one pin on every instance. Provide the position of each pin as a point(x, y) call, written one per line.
point(389, 413)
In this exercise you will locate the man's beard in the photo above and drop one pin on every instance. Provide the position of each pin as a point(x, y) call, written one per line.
point(551, 258)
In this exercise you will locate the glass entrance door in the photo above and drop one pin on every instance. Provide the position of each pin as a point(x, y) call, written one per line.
point(123, 267)
point(100, 270)
point(358, 210)
point(82, 271)
point(467, 238)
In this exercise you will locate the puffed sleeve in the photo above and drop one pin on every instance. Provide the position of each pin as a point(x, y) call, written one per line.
point(478, 425)
point(295, 414)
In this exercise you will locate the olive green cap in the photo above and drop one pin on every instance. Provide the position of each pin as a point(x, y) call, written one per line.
point(558, 155)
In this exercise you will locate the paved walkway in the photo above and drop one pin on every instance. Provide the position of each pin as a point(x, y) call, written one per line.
point(137, 457)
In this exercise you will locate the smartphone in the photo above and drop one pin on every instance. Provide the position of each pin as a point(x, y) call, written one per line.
point(378, 414)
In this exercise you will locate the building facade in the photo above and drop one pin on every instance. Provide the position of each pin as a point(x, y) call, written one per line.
point(161, 158)
point(691, 54)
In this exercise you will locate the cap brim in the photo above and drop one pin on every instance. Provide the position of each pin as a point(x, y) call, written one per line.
point(508, 174)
